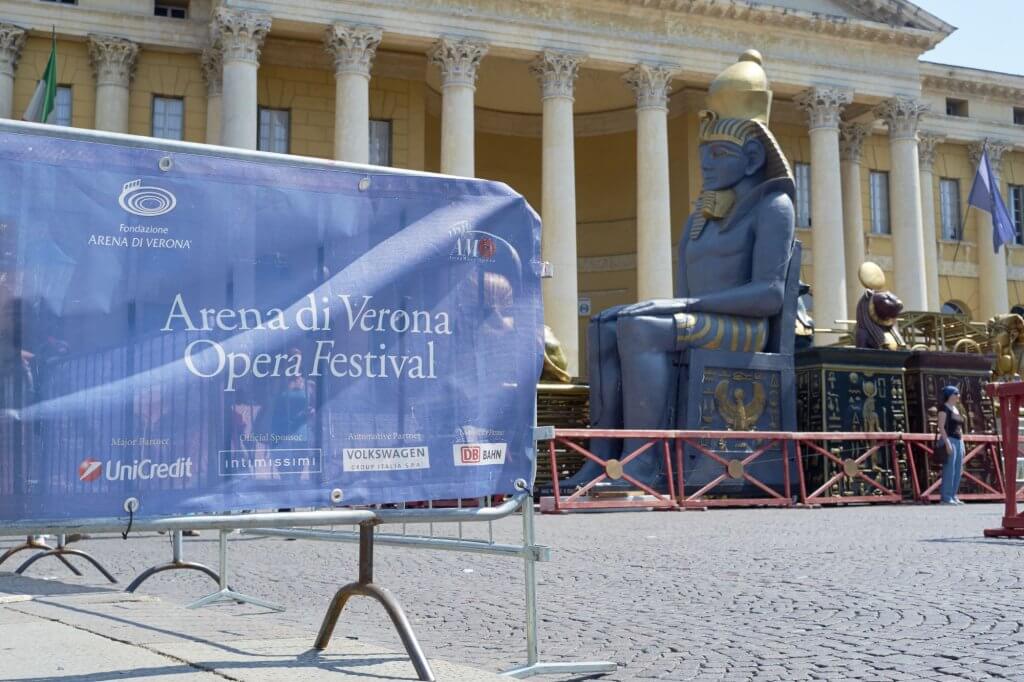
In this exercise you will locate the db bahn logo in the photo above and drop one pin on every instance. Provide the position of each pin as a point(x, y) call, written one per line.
point(470, 454)
point(90, 469)
point(479, 454)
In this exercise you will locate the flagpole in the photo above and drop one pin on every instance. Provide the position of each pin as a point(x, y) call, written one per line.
point(956, 253)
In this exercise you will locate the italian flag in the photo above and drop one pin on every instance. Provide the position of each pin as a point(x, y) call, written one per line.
point(41, 108)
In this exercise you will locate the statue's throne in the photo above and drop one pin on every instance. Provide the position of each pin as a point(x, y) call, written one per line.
point(734, 391)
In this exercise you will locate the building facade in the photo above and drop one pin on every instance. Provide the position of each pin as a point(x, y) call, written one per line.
point(587, 107)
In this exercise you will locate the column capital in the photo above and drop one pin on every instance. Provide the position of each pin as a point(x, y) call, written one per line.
point(353, 47)
point(213, 69)
point(996, 149)
point(823, 105)
point(902, 115)
point(851, 140)
point(557, 72)
point(12, 40)
point(651, 83)
point(927, 144)
point(113, 59)
point(459, 59)
point(240, 33)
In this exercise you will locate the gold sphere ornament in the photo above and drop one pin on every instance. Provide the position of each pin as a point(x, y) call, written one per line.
point(871, 276)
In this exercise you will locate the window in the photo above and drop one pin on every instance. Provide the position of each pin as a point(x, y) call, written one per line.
point(879, 189)
point(1017, 210)
point(1018, 116)
point(62, 106)
point(954, 308)
point(380, 143)
point(802, 171)
point(168, 117)
point(949, 209)
point(956, 107)
point(174, 9)
point(274, 133)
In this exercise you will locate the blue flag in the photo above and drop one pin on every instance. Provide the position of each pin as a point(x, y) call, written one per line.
point(985, 195)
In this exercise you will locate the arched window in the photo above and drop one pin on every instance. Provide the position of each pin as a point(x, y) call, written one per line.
point(955, 308)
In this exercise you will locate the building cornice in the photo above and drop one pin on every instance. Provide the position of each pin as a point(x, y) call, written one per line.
point(899, 13)
point(771, 16)
point(963, 81)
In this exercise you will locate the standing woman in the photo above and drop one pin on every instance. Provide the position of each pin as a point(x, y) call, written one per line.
point(951, 427)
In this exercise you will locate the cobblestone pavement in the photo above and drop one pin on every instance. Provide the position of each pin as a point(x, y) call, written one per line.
point(873, 593)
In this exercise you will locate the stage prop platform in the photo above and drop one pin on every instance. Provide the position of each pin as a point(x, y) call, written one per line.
point(927, 372)
point(729, 392)
point(863, 432)
point(852, 390)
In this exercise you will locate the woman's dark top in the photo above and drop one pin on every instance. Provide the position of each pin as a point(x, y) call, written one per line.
point(954, 423)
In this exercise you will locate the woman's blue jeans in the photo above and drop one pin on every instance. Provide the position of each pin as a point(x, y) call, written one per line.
point(952, 470)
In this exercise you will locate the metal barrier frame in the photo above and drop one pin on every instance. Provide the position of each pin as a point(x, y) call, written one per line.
point(528, 551)
point(612, 470)
point(984, 445)
point(805, 445)
point(1010, 396)
point(735, 469)
point(851, 468)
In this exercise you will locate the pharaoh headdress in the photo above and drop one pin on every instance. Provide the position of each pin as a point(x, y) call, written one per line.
point(739, 103)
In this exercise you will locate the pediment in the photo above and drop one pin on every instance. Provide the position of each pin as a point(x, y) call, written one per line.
point(900, 13)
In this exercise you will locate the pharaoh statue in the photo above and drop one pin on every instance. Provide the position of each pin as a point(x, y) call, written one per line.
point(734, 257)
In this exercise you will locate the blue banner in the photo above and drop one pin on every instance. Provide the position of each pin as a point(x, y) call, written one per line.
point(212, 333)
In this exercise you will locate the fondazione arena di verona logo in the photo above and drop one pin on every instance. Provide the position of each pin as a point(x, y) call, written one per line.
point(146, 201)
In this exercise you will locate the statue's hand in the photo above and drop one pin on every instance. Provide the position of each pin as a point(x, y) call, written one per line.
point(657, 306)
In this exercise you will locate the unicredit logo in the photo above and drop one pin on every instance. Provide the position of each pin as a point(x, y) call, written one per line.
point(139, 470)
point(90, 469)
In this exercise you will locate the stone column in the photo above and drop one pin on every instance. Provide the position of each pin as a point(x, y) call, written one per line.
point(12, 40)
point(213, 74)
point(902, 114)
point(353, 49)
point(652, 83)
point(241, 35)
point(458, 60)
point(113, 62)
point(994, 298)
point(557, 74)
point(823, 106)
point(851, 142)
point(926, 147)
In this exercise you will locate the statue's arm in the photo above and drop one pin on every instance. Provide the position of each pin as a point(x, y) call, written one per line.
point(680, 300)
point(773, 241)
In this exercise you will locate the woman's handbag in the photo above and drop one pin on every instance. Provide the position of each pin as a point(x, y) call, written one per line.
point(939, 450)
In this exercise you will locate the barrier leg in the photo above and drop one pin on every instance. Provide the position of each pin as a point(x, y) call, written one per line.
point(62, 552)
point(534, 666)
point(366, 588)
point(226, 593)
point(176, 563)
point(33, 542)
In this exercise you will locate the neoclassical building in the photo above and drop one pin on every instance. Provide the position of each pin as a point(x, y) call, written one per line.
point(587, 107)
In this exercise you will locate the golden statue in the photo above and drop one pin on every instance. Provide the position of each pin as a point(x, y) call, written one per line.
point(555, 363)
point(1006, 336)
point(872, 424)
point(738, 414)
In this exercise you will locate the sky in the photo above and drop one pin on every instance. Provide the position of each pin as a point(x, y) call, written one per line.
point(988, 36)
